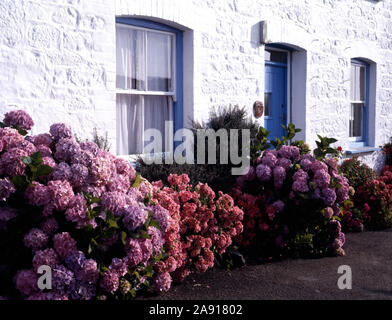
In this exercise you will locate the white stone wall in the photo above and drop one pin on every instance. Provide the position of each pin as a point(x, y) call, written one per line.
point(57, 62)
point(57, 58)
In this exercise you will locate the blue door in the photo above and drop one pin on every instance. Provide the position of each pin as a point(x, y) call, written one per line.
point(275, 93)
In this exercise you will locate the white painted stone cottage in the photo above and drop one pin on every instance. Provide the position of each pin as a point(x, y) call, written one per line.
point(125, 65)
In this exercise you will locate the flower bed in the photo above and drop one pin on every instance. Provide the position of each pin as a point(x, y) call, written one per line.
point(291, 202)
point(105, 232)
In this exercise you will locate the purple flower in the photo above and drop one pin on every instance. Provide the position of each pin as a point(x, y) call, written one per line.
point(65, 149)
point(115, 202)
point(37, 194)
point(300, 174)
point(60, 131)
point(119, 183)
point(134, 252)
point(45, 151)
point(64, 244)
point(118, 266)
point(61, 278)
point(35, 239)
point(134, 217)
point(269, 160)
point(82, 291)
point(79, 175)
point(6, 188)
point(75, 260)
point(109, 281)
point(77, 211)
point(279, 205)
point(46, 257)
point(11, 162)
point(26, 282)
point(329, 196)
point(306, 164)
point(9, 137)
point(61, 193)
point(289, 152)
point(161, 215)
point(279, 176)
point(250, 174)
point(300, 185)
point(18, 118)
point(322, 179)
point(318, 165)
point(43, 139)
point(157, 240)
point(7, 213)
point(50, 226)
point(263, 172)
point(88, 272)
point(162, 282)
point(284, 163)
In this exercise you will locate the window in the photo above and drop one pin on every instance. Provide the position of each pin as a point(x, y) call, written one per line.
point(359, 101)
point(148, 81)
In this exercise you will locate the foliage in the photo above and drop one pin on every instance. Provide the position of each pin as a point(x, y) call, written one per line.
point(291, 201)
point(217, 176)
point(101, 229)
point(387, 151)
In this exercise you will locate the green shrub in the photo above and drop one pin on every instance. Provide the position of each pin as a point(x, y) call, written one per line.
point(217, 176)
point(356, 172)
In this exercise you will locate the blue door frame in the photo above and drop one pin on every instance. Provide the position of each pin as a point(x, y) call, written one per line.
point(276, 88)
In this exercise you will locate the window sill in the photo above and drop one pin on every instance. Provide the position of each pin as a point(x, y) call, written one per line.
point(359, 150)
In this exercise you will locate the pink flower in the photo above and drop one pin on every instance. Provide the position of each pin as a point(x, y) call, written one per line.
point(110, 281)
point(322, 178)
point(60, 131)
point(6, 189)
point(162, 282)
point(64, 244)
point(26, 282)
point(66, 148)
point(61, 193)
point(77, 211)
point(37, 194)
point(43, 139)
point(18, 118)
point(50, 226)
point(118, 266)
point(46, 257)
point(35, 239)
point(10, 137)
point(11, 162)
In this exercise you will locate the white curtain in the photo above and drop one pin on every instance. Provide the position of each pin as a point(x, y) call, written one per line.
point(135, 114)
point(158, 61)
point(130, 58)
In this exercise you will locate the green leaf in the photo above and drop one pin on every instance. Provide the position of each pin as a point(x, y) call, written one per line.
point(154, 223)
point(123, 237)
point(19, 182)
point(27, 160)
point(137, 182)
point(36, 157)
point(44, 170)
point(112, 224)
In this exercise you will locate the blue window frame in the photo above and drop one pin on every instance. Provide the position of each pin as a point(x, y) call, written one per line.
point(359, 104)
point(170, 85)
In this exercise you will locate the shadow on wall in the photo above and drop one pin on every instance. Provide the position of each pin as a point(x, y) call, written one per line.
point(255, 35)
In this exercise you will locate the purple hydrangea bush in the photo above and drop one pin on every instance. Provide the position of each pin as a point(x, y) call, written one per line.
point(79, 210)
point(292, 202)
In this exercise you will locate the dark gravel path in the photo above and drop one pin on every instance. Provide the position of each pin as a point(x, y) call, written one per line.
point(369, 254)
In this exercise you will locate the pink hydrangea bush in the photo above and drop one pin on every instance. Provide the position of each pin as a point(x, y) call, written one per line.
point(291, 203)
point(79, 210)
point(202, 223)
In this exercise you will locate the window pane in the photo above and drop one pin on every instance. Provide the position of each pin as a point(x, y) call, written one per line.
point(157, 110)
point(356, 116)
point(275, 56)
point(130, 58)
point(159, 55)
point(129, 124)
point(267, 104)
point(358, 88)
